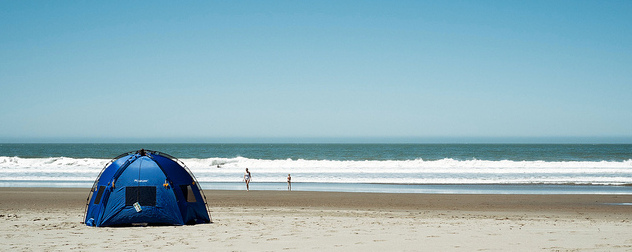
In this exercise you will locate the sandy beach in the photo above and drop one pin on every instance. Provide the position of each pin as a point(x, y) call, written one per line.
point(49, 219)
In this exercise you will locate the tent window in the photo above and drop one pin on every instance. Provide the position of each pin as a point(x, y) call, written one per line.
point(97, 200)
point(188, 193)
point(144, 195)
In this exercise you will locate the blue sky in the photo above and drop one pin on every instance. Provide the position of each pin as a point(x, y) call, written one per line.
point(309, 70)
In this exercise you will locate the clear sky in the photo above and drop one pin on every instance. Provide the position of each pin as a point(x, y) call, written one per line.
point(103, 71)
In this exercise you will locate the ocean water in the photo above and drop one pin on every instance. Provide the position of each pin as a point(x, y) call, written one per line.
point(405, 168)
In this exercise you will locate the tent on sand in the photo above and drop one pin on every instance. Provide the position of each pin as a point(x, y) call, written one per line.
point(145, 187)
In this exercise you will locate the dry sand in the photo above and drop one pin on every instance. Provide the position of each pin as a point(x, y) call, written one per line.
point(49, 219)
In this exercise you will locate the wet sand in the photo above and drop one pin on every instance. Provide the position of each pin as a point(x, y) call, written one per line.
point(49, 219)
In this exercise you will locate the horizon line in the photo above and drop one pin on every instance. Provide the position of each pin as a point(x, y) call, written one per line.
point(329, 140)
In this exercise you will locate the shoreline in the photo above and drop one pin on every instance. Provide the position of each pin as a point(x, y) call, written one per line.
point(50, 219)
point(495, 188)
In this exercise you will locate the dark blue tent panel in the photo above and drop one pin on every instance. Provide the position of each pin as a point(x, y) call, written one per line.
point(146, 187)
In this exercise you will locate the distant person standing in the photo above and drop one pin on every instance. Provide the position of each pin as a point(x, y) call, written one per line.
point(289, 182)
point(247, 177)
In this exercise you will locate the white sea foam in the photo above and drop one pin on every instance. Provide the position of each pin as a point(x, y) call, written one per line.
point(418, 171)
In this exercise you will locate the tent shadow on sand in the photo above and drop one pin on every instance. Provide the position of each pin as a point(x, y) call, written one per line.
point(145, 188)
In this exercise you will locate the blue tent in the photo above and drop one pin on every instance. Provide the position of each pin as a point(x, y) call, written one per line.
point(145, 187)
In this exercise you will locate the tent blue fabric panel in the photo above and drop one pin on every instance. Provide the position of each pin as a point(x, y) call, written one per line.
point(95, 212)
point(191, 210)
point(120, 214)
point(194, 212)
point(108, 173)
point(143, 171)
point(103, 190)
point(197, 212)
point(173, 170)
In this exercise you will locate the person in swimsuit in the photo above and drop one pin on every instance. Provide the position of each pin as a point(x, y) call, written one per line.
point(247, 177)
point(289, 182)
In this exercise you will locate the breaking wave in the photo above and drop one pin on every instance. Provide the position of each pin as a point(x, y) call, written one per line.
point(417, 171)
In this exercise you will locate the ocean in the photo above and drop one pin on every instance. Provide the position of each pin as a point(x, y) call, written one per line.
point(397, 168)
